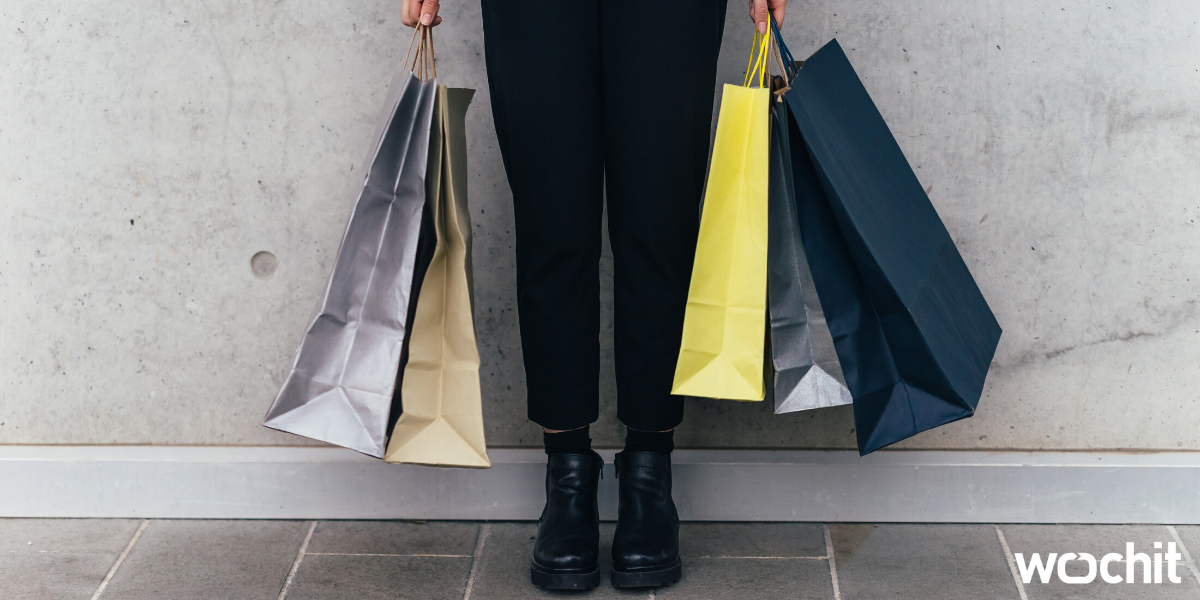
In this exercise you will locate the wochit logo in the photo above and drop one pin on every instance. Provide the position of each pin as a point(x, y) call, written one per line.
point(1045, 570)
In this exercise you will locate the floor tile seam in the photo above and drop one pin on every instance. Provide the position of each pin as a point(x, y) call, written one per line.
point(477, 558)
point(755, 557)
point(388, 555)
point(1191, 564)
point(829, 555)
point(1120, 560)
point(291, 576)
point(33, 552)
point(1012, 563)
point(120, 559)
point(1187, 556)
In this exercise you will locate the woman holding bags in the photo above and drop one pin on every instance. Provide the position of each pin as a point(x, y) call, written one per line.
point(596, 98)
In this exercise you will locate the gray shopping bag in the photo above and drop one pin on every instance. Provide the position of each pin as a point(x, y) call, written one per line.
point(341, 386)
point(807, 372)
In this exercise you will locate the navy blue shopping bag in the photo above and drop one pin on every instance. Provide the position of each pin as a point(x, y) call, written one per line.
point(914, 335)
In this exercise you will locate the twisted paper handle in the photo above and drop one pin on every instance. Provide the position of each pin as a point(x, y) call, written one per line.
point(424, 63)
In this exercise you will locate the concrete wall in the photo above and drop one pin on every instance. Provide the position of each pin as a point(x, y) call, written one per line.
point(149, 150)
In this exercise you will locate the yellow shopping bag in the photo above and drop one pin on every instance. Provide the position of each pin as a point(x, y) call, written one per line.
point(725, 321)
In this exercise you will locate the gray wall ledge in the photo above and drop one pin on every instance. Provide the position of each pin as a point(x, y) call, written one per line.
point(710, 485)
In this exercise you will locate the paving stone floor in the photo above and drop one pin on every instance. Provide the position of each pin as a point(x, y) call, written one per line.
point(115, 559)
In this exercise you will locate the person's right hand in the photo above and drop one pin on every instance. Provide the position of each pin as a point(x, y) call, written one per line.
point(418, 11)
point(759, 9)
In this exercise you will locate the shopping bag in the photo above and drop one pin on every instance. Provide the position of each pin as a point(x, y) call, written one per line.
point(426, 244)
point(914, 335)
point(800, 381)
point(721, 354)
point(442, 419)
point(341, 385)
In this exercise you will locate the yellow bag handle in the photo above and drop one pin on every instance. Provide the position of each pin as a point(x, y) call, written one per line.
point(759, 60)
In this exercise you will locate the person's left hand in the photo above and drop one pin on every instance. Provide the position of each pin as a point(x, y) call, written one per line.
point(418, 11)
point(759, 9)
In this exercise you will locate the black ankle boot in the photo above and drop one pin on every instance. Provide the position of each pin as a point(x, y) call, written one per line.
point(646, 547)
point(566, 553)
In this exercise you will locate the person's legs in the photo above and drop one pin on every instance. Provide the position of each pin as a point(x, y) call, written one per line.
point(543, 61)
point(659, 69)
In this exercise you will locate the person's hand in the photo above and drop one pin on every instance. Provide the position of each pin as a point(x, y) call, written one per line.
point(423, 12)
point(759, 9)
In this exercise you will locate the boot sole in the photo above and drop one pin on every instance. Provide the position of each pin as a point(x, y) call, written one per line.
point(570, 580)
point(654, 578)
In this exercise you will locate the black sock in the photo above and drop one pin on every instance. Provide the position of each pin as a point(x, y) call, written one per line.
point(662, 442)
point(575, 441)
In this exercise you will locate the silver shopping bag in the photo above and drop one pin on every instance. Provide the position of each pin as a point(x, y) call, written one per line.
point(341, 385)
point(807, 372)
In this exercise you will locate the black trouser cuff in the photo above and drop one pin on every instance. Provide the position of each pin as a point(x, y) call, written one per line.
point(662, 442)
point(575, 441)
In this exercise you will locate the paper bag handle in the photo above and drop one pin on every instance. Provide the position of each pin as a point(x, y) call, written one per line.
point(758, 58)
point(424, 63)
point(789, 64)
point(783, 72)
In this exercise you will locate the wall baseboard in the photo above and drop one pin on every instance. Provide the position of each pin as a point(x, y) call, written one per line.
point(710, 485)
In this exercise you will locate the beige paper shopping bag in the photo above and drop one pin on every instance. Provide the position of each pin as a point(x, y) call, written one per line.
point(442, 419)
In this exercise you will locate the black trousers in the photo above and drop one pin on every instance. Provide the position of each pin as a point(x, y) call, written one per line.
point(592, 96)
